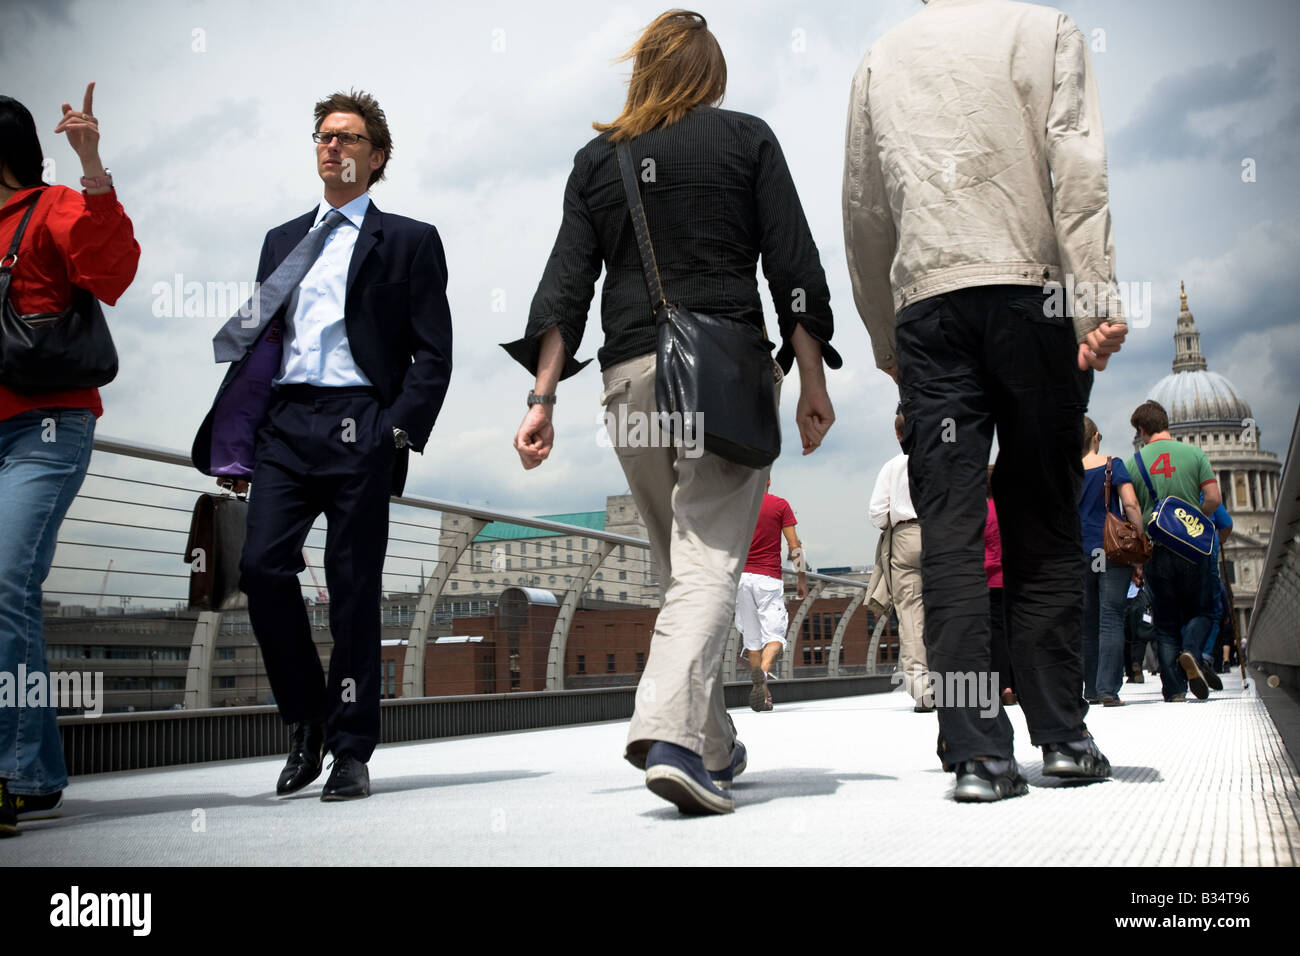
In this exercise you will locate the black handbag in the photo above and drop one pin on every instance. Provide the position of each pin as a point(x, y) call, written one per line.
point(218, 527)
point(52, 351)
point(714, 380)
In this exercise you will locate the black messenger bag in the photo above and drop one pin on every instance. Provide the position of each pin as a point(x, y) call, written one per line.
point(714, 380)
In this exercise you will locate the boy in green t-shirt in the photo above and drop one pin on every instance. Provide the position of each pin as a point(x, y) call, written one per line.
point(1182, 591)
point(1175, 467)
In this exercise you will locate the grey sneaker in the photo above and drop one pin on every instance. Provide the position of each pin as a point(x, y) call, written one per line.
point(983, 781)
point(1078, 759)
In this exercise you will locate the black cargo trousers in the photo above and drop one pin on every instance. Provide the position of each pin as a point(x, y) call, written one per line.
point(970, 361)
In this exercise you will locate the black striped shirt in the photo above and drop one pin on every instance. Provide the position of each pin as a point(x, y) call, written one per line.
point(717, 194)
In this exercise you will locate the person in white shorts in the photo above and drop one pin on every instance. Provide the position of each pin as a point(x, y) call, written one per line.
point(761, 617)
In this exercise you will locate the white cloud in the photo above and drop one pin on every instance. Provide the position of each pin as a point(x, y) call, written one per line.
point(212, 150)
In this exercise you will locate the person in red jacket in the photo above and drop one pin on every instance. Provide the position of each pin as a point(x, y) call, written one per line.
point(72, 239)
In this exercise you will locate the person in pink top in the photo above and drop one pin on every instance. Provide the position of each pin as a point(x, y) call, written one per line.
point(997, 619)
point(761, 617)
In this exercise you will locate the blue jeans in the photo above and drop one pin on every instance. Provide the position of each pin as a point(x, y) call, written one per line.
point(43, 459)
point(1182, 605)
point(1104, 593)
point(1212, 639)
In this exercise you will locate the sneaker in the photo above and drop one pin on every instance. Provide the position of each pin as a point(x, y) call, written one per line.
point(1195, 681)
point(1079, 759)
point(8, 812)
point(1208, 672)
point(739, 761)
point(678, 775)
point(758, 694)
point(38, 808)
point(1109, 701)
point(1137, 676)
point(983, 781)
point(1177, 699)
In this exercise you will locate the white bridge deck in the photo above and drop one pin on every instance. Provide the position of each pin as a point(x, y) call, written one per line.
point(846, 781)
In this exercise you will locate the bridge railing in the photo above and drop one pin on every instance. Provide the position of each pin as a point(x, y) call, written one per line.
point(476, 602)
point(1275, 618)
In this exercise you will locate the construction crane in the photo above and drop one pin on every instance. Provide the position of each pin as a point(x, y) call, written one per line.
point(104, 587)
point(322, 595)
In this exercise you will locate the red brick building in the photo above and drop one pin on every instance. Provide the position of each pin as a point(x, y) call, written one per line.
point(507, 651)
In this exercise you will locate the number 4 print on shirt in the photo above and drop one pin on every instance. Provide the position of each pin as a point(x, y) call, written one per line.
point(1163, 466)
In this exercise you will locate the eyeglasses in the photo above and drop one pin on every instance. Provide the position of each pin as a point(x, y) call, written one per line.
point(344, 137)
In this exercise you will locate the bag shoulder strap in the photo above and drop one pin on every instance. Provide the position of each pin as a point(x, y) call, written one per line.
point(18, 236)
point(1142, 467)
point(1108, 467)
point(641, 228)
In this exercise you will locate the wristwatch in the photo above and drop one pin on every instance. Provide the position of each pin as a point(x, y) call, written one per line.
point(535, 399)
point(400, 438)
point(96, 182)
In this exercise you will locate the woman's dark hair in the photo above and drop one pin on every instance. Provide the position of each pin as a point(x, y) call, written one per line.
point(20, 149)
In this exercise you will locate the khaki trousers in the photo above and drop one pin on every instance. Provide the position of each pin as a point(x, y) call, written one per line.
point(905, 584)
point(700, 511)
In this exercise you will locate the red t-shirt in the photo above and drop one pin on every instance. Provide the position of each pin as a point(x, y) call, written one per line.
point(765, 551)
point(71, 239)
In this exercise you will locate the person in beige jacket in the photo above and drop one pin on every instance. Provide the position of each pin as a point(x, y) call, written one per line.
point(892, 512)
point(978, 236)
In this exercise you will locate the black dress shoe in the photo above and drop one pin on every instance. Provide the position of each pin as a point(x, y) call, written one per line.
point(306, 753)
point(349, 780)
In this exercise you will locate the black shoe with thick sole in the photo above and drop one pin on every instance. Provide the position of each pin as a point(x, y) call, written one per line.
point(983, 781)
point(306, 754)
point(349, 780)
point(1078, 760)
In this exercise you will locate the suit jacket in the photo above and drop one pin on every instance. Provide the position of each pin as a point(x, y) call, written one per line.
point(399, 330)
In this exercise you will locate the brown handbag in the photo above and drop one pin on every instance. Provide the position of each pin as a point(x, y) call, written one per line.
point(1123, 543)
point(216, 541)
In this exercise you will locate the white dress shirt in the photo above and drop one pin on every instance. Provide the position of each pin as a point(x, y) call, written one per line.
point(891, 499)
point(316, 350)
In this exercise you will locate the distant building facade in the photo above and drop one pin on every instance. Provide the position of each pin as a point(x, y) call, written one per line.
point(509, 555)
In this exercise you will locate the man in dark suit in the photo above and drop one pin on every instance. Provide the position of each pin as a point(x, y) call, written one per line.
point(341, 362)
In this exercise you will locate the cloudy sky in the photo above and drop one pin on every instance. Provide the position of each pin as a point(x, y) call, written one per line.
point(205, 112)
